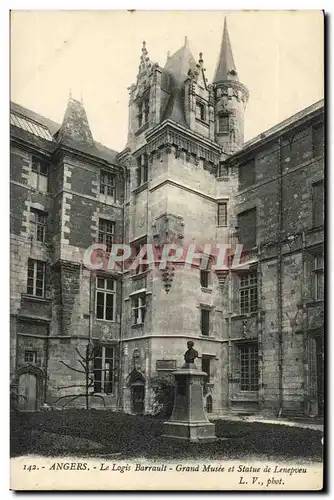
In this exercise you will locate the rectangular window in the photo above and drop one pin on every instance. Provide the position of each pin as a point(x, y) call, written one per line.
point(136, 249)
point(106, 233)
point(318, 139)
point(40, 175)
point(107, 184)
point(247, 174)
point(30, 356)
point(200, 111)
point(138, 309)
point(248, 293)
point(204, 276)
point(104, 361)
point(318, 203)
point(222, 214)
point(142, 169)
point(249, 367)
point(105, 298)
point(223, 170)
point(206, 360)
point(143, 112)
point(38, 219)
point(247, 228)
point(318, 277)
point(36, 278)
point(205, 321)
point(224, 123)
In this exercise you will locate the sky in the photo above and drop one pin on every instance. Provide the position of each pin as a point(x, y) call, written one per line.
point(279, 56)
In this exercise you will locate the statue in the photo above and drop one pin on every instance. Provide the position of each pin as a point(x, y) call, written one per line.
point(191, 354)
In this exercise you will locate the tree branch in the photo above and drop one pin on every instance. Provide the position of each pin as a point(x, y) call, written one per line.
point(70, 367)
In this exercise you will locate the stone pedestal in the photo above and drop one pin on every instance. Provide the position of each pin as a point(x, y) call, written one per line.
point(188, 420)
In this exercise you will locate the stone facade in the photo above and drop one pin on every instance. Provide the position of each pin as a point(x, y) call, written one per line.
point(184, 178)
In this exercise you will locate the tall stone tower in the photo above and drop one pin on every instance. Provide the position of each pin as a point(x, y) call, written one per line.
point(231, 97)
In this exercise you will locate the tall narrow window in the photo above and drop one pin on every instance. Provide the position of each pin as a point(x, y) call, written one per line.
point(318, 203)
point(39, 175)
point(105, 298)
point(248, 293)
point(200, 111)
point(318, 277)
point(106, 233)
point(224, 123)
point(247, 228)
point(249, 371)
point(222, 214)
point(36, 278)
point(143, 112)
point(136, 249)
point(104, 361)
point(142, 169)
point(205, 321)
point(38, 219)
point(247, 174)
point(107, 184)
point(204, 276)
point(206, 361)
point(139, 309)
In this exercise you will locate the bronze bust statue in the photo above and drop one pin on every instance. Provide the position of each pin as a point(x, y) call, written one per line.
point(191, 354)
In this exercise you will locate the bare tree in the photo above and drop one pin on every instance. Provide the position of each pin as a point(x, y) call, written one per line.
point(87, 363)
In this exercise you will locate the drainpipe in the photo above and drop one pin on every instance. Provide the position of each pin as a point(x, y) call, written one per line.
point(279, 282)
point(119, 404)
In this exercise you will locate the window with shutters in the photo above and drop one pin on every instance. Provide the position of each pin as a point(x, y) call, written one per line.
point(142, 169)
point(205, 321)
point(106, 233)
point(107, 184)
point(222, 214)
point(138, 309)
point(248, 293)
point(318, 277)
point(224, 123)
point(247, 228)
point(36, 278)
point(246, 174)
point(318, 139)
point(248, 367)
point(39, 178)
point(104, 369)
point(318, 208)
point(105, 303)
point(38, 220)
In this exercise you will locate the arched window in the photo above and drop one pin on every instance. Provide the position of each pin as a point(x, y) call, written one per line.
point(209, 404)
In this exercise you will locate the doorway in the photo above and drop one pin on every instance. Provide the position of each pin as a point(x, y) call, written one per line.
point(27, 389)
point(138, 398)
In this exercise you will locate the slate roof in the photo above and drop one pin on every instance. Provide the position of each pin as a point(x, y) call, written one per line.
point(94, 148)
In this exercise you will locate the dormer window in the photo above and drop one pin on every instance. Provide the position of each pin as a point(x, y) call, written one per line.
point(224, 123)
point(200, 111)
point(143, 112)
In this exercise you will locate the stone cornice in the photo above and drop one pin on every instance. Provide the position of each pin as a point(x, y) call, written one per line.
point(171, 135)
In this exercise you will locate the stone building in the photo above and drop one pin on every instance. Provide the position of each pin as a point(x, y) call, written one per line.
point(185, 177)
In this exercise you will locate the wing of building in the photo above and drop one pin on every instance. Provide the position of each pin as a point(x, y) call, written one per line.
point(185, 178)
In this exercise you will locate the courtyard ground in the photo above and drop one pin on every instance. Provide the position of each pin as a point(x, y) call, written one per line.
point(95, 433)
